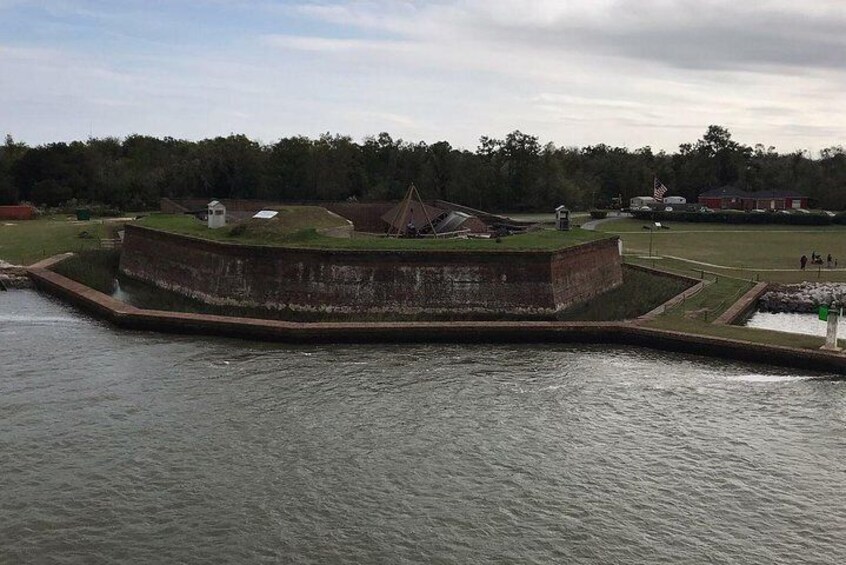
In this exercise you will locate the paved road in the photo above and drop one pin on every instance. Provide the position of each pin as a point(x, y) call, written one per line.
point(593, 224)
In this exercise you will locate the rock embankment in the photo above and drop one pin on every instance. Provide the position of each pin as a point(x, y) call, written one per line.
point(802, 298)
point(13, 276)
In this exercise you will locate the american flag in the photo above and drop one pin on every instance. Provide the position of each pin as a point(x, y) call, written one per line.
point(659, 190)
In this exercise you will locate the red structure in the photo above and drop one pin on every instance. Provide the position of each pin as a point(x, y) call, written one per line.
point(731, 198)
point(17, 212)
point(350, 281)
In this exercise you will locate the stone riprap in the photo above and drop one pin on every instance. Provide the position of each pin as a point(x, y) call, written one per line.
point(805, 297)
point(13, 276)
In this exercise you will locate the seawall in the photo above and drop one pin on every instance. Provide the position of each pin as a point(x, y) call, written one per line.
point(618, 333)
point(369, 281)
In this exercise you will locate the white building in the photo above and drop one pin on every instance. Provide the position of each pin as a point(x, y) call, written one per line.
point(217, 214)
point(641, 201)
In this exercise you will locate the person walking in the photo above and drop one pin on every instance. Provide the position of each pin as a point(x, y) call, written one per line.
point(803, 261)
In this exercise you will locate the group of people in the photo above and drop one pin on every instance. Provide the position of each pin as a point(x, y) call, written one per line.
point(816, 259)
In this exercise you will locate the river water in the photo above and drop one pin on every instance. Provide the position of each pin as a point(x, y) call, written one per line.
point(127, 447)
point(808, 324)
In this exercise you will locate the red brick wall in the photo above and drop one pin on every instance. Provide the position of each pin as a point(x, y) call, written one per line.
point(371, 281)
point(580, 273)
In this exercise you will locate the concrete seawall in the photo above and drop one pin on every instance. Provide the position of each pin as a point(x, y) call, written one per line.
point(743, 306)
point(619, 333)
point(368, 281)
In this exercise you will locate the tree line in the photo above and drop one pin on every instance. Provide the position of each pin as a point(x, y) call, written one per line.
point(514, 173)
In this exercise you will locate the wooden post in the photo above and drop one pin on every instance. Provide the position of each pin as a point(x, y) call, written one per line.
point(425, 212)
point(401, 211)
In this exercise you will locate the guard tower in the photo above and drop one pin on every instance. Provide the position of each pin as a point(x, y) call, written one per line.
point(562, 218)
point(217, 215)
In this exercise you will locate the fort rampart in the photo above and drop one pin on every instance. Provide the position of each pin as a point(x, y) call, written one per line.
point(354, 281)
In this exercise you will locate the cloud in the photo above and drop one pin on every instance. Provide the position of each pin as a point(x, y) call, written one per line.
point(333, 45)
point(652, 72)
point(688, 34)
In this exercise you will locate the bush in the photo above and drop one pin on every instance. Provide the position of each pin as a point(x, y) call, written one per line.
point(599, 214)
point(840, 218)
point(738, 217)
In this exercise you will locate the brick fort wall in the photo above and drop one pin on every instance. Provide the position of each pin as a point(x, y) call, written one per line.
point(353, 281)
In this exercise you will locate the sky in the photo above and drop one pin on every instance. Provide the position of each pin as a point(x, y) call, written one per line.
point(573, 72)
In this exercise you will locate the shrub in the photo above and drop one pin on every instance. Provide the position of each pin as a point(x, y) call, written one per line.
point(737, 217)
point(599, 214)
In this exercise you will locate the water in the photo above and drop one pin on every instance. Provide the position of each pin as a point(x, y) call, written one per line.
point(126, 447)
point(807, 324)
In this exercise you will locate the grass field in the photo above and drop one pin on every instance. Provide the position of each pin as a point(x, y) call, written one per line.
point(769, 253)
point(696, 314)
point(26, 242)
point(304, 236)
point(731, 257)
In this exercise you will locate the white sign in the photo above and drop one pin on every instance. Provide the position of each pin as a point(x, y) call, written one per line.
point(266, 214)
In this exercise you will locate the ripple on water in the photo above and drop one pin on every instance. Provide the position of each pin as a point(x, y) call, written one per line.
point(135, 448)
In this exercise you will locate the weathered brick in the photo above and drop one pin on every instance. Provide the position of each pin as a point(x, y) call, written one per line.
point(354, 281)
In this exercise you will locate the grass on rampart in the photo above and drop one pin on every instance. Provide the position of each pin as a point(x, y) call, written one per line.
point(276, 231)
point(542, 240)
point(26, 242)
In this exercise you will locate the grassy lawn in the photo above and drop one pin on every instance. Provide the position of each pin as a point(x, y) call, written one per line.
point(303, 235)
point(696, 314)
point(742, 333)
point(768, 253)
point(26, 242)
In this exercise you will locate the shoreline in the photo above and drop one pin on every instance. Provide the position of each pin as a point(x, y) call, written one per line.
point(619, 333)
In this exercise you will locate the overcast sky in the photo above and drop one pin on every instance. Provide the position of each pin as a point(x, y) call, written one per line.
point(579, 72)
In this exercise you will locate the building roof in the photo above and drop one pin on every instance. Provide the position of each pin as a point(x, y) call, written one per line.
point(451, 222)
point(214, 204)
point(734, 192)
point(725, 192)
point(777, 194)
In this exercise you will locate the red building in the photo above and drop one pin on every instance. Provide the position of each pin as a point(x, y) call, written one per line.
point(731, 198)
point(17, 212)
